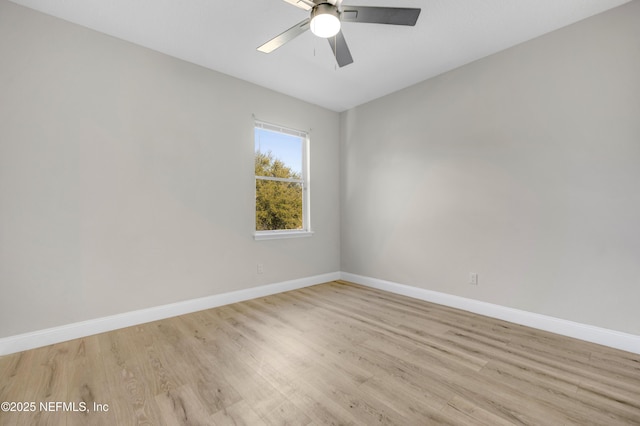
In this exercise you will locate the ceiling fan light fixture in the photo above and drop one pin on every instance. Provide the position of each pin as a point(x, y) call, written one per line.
point(325, 20)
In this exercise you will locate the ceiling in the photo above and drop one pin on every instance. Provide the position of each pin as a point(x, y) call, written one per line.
point(224, 35)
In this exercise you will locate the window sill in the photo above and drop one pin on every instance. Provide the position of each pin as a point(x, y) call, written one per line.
point(275, 235)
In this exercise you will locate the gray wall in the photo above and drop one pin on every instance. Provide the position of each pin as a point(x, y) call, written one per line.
point(523, 167)
point(126, 178)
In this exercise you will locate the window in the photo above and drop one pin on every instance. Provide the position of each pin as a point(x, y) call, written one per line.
point(282, 182)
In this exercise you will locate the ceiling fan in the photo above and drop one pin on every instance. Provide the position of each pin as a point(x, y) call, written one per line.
point(326, 16)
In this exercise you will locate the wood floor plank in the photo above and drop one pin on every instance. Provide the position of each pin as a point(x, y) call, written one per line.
point(181, 406)
point(575, 409)
point(352, 352)
point(46, 383)
point(286, 414)
point(491, 395)
point(330, 354)
point(620, 403)
point(86, 381)
point(133, 399)
point(463, 413)
point(239, 414)
point(281, 373)
point(243, 364)
point(616, 363)
point(387, 332)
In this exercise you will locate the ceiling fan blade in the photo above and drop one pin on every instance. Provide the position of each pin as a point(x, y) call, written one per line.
point(286, 36)
point(302, 4)
point(340, 49)
point(380, 15)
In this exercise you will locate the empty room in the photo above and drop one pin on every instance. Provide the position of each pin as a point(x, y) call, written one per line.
point(299, 212)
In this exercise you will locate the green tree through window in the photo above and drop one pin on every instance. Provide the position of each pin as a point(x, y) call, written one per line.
point(280, 180)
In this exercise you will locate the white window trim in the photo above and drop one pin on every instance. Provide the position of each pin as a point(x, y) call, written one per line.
point(280, 234)
point(306, 230)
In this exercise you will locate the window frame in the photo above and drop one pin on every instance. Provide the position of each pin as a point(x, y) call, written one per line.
point(305, 179)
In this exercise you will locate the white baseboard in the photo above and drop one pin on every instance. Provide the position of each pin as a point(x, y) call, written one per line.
point(614, 339)
point(589, 333)
point(22, 342)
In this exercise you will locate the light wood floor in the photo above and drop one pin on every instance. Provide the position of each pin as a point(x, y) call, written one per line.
point(335, 353)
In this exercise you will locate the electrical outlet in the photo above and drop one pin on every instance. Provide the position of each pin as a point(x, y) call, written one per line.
point(260, 268)
point(473, 278)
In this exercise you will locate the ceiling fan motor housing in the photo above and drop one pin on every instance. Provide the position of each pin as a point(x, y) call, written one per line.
point(325, 20)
